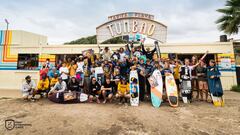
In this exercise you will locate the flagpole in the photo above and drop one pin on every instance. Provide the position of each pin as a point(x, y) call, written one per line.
point(7, 23)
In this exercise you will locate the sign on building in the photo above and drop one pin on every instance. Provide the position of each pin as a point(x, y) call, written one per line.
point(131, 23)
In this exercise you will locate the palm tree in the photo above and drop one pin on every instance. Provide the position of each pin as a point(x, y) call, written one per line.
point(229, 22)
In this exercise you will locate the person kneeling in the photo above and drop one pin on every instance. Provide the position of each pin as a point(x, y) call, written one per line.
point(43, 86)
point(94, 90)
point(28, 88)
point(123, 91)
point(107, 90)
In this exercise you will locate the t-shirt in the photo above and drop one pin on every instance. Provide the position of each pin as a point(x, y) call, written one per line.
point(53, 81)
point(203, 72)
point(94, 88)
point(122, 55)
point(72, 70)
point(74, 86)
point(27, 86)
point(80, 66)
point(122, 88)
point(106, 69)
point(60, 87)
point(64, 75)
point(176, 72)
point(111, 85)
point(43, 84)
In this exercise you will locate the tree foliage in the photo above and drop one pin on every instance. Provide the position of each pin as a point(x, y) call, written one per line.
point(229, 22)
point(93, 40)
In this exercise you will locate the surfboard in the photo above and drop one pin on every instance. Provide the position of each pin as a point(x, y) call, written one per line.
point(171, 89)
point(218, 101)
point(66, 97)
point(155, 81)
point(186, 91)
point(134, 88)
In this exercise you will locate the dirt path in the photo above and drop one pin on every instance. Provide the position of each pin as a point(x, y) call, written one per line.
point(49, 118)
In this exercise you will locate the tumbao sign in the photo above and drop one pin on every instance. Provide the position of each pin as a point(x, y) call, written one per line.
point(130, 24)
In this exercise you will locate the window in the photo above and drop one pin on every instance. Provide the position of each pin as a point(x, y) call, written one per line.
point(27, 61)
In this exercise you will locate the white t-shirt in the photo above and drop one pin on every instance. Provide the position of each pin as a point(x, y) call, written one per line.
point(122, 55)
point(80, 66)
point(65, 70)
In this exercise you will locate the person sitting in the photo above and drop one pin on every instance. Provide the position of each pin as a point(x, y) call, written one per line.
point(43, 86)
point(123, 90)
point(73, 85)
point(54, 80)
point(94, 90)
point(107, 90)
point(58, 90)
point(28, 87)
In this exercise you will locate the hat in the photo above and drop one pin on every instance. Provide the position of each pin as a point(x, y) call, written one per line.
point(27, 77)
point(123, 78)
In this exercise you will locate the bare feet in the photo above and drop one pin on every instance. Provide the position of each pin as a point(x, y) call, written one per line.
point(98, 101)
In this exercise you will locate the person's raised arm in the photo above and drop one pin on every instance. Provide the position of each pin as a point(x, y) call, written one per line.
point(155, 49)
point(143, 49)
point(200, 59)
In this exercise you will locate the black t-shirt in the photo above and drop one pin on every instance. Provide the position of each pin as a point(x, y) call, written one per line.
point(94, 88)
point(111, 85)
point(74, 86)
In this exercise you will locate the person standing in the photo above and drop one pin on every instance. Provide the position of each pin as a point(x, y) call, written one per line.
point(64, 72)
point(148, 71)
point(214, 82)
point(72, 68)
point(148, 53)
point(201, 71)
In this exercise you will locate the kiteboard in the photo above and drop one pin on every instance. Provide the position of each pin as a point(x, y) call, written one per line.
point(134, 88)
point(156, 83)
point(171, 89)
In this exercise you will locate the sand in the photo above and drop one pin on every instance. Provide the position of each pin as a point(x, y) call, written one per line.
point(48, 118)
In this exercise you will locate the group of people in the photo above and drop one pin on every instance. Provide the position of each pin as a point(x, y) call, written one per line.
point(105, 77)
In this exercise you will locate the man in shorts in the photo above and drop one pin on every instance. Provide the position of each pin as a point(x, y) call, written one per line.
point(107, 91)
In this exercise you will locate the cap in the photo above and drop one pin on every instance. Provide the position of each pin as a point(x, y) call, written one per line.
point(27, 77)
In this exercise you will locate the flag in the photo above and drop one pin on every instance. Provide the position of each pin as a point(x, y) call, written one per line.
point(6, 21)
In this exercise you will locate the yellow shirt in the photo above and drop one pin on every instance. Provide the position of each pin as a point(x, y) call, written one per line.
point(72, 69)
point(53, 81)
point(122, 88)
point(176, 72)
point(43, 84)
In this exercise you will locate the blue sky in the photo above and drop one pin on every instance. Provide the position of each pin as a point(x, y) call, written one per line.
point(66, 20)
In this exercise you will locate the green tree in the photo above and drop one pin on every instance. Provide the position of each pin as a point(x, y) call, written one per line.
point(229, 22)
point(93, 40)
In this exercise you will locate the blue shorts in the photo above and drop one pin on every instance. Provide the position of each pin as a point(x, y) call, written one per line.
point(108, 92)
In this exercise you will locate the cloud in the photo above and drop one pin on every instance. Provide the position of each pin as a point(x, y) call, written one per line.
point(66, 20)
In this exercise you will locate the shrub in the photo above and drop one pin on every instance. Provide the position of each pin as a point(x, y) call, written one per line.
point(235, 88)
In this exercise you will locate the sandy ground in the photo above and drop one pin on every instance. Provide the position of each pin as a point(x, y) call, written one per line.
point(47, 118)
